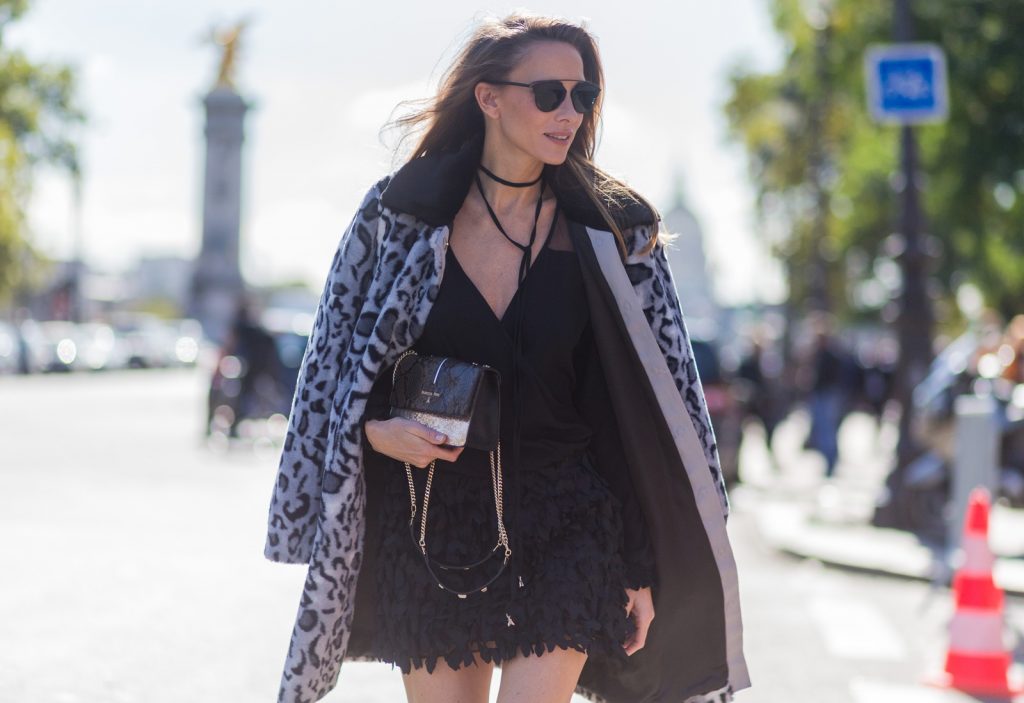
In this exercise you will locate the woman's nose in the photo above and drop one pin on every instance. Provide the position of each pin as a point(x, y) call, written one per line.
point(566, 112)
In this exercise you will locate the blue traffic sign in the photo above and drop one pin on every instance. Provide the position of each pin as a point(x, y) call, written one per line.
point(907, 83)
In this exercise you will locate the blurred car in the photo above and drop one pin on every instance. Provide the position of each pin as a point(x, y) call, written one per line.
point(152, 342)
point(10, 340)
point(187, 337)
point(724, 405)
point(35, 348)
point(291, 330)
point(99, 348)
point(60, 346)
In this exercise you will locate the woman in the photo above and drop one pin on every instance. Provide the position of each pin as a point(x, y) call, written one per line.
point(501, 242)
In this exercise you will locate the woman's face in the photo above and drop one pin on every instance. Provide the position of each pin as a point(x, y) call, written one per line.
point(545, 136)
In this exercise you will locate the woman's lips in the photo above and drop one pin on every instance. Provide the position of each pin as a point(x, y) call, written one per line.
point(559, 137)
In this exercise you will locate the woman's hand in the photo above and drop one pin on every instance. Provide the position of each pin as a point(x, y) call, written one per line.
point(641, 609)
point(408, 441)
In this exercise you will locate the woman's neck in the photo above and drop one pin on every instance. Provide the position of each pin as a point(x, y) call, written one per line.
point(518, 168)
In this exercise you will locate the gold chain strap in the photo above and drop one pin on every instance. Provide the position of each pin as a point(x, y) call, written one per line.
point(496, 483)
point(497, 487)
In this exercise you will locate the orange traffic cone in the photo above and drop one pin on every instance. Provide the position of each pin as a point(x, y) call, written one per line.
point(977, 662)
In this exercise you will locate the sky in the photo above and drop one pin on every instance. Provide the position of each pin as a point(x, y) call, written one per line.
point(323, 76)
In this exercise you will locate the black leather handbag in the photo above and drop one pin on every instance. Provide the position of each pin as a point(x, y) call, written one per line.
point(462, 400)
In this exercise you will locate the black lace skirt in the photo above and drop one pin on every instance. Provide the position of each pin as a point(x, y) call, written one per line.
point(571, 567)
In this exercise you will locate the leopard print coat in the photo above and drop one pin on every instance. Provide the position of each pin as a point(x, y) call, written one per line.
point(382, 282)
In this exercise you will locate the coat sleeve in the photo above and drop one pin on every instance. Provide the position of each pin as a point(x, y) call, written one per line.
point(295, 502)
point(655, 285)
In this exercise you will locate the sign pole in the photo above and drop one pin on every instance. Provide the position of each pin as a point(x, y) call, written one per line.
point(915, 317)
point(906, 85)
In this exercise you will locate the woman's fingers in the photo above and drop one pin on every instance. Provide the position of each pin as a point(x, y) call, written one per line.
point(641, 609)
point(446, 454)
point(410, 441)
point(631, 595)
point(643, 624)
point(424, 432)
point(430, 447)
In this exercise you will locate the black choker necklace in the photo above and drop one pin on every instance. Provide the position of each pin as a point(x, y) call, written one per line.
point(514, 184)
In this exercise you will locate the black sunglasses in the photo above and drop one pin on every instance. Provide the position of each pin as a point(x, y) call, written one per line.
point(549, 94)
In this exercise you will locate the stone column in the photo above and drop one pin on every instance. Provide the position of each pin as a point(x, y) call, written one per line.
point(217, 285)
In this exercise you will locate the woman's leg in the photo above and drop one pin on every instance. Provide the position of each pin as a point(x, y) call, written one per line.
point(468, 684)
point(548, 678)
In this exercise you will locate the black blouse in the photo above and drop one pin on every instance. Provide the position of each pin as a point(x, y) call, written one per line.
point(564, 397)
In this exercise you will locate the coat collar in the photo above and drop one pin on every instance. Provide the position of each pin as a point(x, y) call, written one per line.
point(433, 188)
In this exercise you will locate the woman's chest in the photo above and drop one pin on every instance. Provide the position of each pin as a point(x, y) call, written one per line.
point(554, 313)
point(497, 258)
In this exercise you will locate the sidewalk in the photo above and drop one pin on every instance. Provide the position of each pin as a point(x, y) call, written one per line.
point(800, 513)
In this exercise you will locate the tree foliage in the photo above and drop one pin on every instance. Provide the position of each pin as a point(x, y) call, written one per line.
point(36, 108)
point(972, 164)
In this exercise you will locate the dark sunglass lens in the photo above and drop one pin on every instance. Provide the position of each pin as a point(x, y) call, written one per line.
point(584, 96)
point(548, 95)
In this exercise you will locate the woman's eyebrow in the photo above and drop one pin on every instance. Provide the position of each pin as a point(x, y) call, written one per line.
point(537, 80)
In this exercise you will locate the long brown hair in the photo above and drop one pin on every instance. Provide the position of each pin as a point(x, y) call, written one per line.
point(452, 117)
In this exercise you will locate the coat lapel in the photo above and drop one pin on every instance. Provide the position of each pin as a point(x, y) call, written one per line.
point(697, 603)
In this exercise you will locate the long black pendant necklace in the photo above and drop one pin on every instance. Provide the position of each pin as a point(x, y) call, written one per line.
point(527, 248)
point(524, 268)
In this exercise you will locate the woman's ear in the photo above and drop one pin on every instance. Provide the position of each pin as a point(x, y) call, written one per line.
point(486, 99)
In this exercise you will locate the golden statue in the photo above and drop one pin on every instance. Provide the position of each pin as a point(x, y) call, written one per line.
point(228, 39)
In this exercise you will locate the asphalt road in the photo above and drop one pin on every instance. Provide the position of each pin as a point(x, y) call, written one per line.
point(133, 571)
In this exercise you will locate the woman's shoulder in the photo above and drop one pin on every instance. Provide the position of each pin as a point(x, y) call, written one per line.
point(637, 225)
point(606, 197)
point(370, 203)
point(376, 190)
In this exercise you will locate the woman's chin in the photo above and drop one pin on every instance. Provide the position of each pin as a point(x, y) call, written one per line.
point(554, 157)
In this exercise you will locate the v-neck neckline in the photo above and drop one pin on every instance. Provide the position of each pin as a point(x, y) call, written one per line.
point(515, 296)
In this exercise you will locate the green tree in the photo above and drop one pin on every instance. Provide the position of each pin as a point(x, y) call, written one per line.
point(976, 161)
point(36, 109)
point(805, 130)
point(973, 164)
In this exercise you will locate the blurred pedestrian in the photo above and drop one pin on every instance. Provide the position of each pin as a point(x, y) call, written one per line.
point(761, 373)
point(833, 371)
point(875, 383)
point(22, 322)
point(252, 390)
